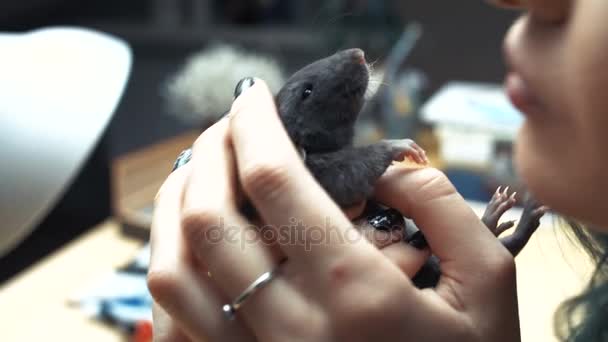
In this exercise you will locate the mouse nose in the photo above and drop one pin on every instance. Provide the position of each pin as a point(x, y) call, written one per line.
point(358, 55)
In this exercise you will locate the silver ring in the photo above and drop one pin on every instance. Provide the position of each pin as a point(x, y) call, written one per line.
point(230, 309)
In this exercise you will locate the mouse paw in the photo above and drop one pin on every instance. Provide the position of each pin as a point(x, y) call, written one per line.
point(499, 204)
point(530, 218)
point(407, 148)
point(528, 223)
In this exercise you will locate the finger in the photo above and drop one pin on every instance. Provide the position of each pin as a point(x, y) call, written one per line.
point(165, 329)
point(231, 248)
point(421, 155)
point(177, 285)
point(541, 211)
point(411, 152)
point(497, 198)
point(426, 158)
point(407, 258)
point(417, 157)
point(497, 192)
point(493, 202)
point(455, 234)
point(219, 237)
point(503, 207)
point(281, 188)
point(164, 236)
point(504, 227)
point(212, 146)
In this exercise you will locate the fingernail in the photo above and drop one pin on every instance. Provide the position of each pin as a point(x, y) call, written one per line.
point(243, 85)
point(182, 159)
point(387, 220)
point(417, 240)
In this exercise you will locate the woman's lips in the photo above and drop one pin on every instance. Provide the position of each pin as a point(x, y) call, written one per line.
point(520, 94)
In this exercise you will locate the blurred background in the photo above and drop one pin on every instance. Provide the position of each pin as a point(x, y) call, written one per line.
point(449, 40)
point(461, 41)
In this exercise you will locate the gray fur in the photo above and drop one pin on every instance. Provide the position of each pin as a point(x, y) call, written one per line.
point(325, 120)
point(348, 175)
point(322, 124)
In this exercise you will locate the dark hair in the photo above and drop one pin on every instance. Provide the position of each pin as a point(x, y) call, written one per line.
point(585, 317)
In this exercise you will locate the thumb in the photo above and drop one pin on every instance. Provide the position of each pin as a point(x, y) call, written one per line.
point(455, 234)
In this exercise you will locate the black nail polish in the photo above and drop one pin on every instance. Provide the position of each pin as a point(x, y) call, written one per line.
point(417, 240)
point(387, 220)
point(182, 159)
point(243, 85)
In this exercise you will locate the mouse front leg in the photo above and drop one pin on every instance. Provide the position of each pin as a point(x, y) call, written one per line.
point(349, 174)
point(528, 223)
point(499, 204)
point(406, 148)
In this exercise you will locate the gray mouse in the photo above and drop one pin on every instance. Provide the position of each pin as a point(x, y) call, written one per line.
point(319, 106)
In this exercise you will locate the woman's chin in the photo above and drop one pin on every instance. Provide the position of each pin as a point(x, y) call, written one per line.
point(561, 187)
point(537, 173)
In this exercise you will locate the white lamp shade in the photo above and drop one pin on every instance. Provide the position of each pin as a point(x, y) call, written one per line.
point(58, 90)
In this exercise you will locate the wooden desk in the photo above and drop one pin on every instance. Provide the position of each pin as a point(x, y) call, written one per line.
point(33, 306)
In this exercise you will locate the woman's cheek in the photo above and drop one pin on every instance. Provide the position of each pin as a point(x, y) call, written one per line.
point(586, 57)
point(561, 153)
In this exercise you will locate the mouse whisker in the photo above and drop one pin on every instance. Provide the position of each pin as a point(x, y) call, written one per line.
point(371, 91)
point(380, 83)
point(378, 77)
point(371, 67)
point(377, 81)
point(372, 64)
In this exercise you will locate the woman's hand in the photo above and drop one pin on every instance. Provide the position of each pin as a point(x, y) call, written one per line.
point(335, 284)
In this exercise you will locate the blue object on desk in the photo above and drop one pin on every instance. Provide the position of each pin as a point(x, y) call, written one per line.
point(122, 298)
point(470, 184)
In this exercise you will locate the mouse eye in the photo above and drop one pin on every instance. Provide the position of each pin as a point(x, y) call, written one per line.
point(307, 91)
